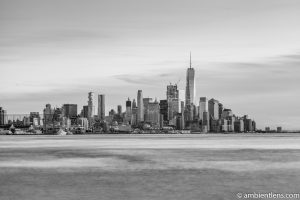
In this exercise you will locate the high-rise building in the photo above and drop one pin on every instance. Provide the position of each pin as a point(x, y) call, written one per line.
point(3, 117)
point(101, 106)
point(70, 110)
point(254, 125)
point(34, 118)
point(205, 122)
point(119, 109)
point(173, 103)
point(140, 105)
point(85, 111)
point(128, 113)
point(190, 92)
point(134, 104)
point(172, 92)
point(239, 125)
point(164, 109)
point(152, 114)
point(203, 107)
point(146, 101)
point(134, 113)
point(91, 106)
point(226, 113)
point(213, 108)
point(220, 110)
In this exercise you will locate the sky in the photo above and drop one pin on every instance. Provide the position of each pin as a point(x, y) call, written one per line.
point(246, 53)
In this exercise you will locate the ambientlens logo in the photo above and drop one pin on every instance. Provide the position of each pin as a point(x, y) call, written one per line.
point(269, 195)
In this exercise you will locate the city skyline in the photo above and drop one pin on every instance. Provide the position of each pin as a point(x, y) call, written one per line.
point(251, 66)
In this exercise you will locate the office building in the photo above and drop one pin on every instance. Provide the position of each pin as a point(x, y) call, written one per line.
point(213, 109)
point(34, 118)
point(152, 112)
point(119, 110)
point(134, 113)
point(190, 92)
point(101, 107)
point(85, 111)
point(140, 105)
point(220, 110)
point(279, 129)
point(70, 110)
point(128, 113)
point(3, 116)
point(164, 107)
point(239, 125)
point(91, 106)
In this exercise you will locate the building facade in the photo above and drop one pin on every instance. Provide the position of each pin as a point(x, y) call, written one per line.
point(101, 107)
point(140, 105)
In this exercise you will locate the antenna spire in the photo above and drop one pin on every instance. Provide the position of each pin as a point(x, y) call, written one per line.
point(190, 60)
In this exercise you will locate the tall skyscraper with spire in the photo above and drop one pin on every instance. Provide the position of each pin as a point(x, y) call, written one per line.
point(190, 92)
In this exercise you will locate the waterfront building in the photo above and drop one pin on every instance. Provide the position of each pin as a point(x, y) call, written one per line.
point(254, 125)
point(205, 122)
point(279, 129)
point(239, 125)
point(248, 125)
point(3, 116)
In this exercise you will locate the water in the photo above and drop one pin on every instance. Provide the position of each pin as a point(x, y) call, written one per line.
point(147, 166)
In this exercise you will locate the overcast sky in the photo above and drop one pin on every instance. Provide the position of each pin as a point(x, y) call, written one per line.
point(246, 53)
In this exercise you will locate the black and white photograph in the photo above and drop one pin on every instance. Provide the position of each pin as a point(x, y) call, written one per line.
point(149, 99)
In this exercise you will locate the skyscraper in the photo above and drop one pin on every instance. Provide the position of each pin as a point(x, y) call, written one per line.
point(91, 111)
point(173, 102)
point(152, 112)
point(119, 109)
point(140, 105)
point(172, 91)
point(213, 109)
point(128, 111)
point(85, 111)
point(70, 110)
point(220, 110)
point(203, 107)
point(3, 117)
point(134, 113)
point(164, 109)
point(190, 92)
point(101, 106)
